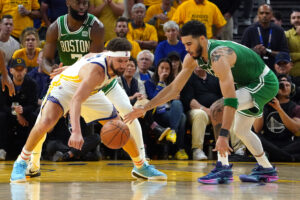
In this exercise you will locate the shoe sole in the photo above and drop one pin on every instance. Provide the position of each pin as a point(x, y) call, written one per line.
point(216, 181)
point(18, 181)
point(163, 135)
point(140, 176)
point(32, 175)
point(265, 178)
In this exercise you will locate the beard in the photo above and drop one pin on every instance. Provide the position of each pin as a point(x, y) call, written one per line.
point(121, 34)
point(199, 52)
point(76, 16)
point(116, 72)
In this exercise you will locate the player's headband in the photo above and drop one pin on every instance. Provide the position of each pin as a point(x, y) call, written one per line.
point(118, 53)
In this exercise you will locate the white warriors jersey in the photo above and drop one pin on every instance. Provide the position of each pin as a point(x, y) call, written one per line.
point(71, 75)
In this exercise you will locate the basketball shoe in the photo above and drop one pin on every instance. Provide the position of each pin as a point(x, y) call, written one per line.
point(32, 170)
point(18, 172)
point(148, 172)
point(259, 173)
point(219, 175)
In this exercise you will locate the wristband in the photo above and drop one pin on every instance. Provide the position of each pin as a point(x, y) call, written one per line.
point(224, 132)
point(232, 102)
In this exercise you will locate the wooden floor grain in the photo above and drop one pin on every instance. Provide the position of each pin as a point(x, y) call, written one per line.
point(112, 180)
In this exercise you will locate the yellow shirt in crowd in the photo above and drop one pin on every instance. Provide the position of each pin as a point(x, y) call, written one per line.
point(21, 53)
point(135, 48)
point(155, 10)
point(145, 33)
point(207, 13)
point(108, 18)
point(293, 40)
point(152, 2)
point(10, 7)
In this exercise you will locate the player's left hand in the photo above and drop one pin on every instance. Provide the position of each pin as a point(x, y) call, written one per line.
point(76, 141)
point(6, 81)
point(58, 70)
point(222, 146)
point(136, 113)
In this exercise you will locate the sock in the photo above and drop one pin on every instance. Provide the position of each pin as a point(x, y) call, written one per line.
point(136, 132)
point(36, 154)
point(263, 161)
point(138, 161)
point(223, 160)
point(25, 155)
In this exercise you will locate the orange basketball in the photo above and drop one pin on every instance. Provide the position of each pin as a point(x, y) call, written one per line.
point(115, 134)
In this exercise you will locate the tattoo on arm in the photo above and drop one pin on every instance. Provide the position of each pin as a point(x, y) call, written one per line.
point(217, 54)
point(217, 109)
point(217, 129)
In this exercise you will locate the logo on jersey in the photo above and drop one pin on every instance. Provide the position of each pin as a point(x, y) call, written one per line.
point(75, 46)
point(85, 33)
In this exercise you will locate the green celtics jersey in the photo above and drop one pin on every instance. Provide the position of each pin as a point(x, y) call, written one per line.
point(73, 45)
point(248, 67)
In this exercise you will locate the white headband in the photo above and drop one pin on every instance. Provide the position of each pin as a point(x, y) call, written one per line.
point(118, 53)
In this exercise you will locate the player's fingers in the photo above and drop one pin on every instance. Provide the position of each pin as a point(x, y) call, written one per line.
point(60, 65)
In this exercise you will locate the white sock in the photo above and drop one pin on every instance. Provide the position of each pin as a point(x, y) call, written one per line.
point(25, 155)
point(263, 161)
point(223, 160)
point(138, 161)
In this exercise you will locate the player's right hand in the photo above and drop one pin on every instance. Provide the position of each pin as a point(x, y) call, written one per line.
point(76, 140)
point(136, 113)
point(6, 81)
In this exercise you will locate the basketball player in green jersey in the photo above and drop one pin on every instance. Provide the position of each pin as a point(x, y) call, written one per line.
point(236, 66)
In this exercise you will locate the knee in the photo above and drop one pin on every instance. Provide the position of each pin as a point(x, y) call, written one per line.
point(216, 114)
point(198, 115)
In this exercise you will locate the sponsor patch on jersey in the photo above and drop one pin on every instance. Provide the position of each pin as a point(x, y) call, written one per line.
point(85, 33)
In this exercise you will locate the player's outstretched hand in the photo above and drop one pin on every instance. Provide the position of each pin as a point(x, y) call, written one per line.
point(222, 146)
point(6, 81)
point(136, 113)
point(76, 141)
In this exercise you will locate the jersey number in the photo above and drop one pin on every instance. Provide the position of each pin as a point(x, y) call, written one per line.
point(76, 56)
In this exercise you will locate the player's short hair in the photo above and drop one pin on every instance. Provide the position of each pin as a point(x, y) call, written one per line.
point(119, 44)
point(193, 28)
point(138, 5)
point(122, 19)
point(6, 17)
point(170, 24)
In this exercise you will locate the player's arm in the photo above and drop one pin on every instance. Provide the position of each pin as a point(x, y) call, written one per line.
point(222, 60)
point(168, 93)
point(5, 79)
point(49, 49)
point(91, 75)
point(97, 37)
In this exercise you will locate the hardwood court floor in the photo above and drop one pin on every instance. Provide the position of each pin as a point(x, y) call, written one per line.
point(112, 180)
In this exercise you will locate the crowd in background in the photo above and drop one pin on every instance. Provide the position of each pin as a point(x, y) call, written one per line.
point(180, 129)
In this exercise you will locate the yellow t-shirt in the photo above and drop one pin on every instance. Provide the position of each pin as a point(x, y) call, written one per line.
point(108, 18)
point(152, 2)
point(10, 7)
point(146, 33)
point(135, 48)
point(155, 10)
point(21, 53)
point(207, 13)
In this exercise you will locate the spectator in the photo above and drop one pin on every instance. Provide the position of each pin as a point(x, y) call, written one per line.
point(42, 79)
point(172, 43)
point(121, 31)
point(150, 3)
point(23, 12)
point(203, 11)
point(174, 57)
point(277, 18)
point(107, 12)
point(158, 14)
point(57, 148)
point(144, 33)
point(7, 43)
point(170, 114)
point(128, 6)
point(228, 8)
point(30, 41)
point(279, 127)
point(293, 39)
point(144, 60)
point(283, 66)
point(264, 37)
point(17, 113)
point(50, 11)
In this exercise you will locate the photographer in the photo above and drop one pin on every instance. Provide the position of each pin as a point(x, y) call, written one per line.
point(279, 128)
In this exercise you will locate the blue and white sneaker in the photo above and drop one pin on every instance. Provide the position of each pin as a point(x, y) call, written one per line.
point(259, 174)
point(18, 172)
point(148, 172)
point(219, 175)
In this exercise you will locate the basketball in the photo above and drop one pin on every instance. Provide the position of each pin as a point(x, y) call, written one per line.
point(115, 134)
